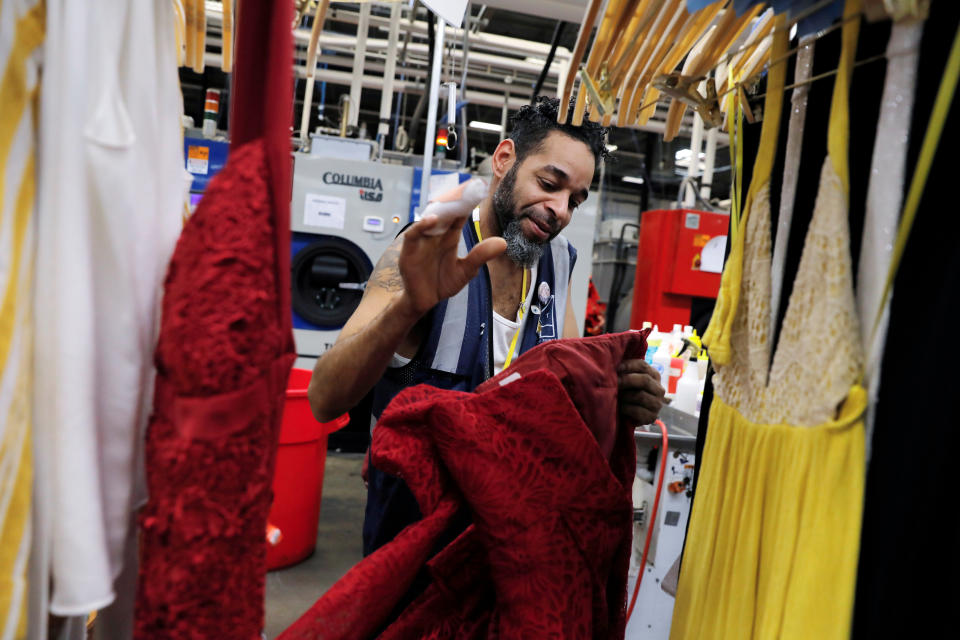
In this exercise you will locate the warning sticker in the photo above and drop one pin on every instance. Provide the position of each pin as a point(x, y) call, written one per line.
point(198, 159)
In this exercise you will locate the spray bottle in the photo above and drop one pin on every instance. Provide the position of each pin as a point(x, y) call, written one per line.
point(661, 362)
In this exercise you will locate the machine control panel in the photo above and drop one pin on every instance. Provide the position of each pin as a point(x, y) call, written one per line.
point(373, 224)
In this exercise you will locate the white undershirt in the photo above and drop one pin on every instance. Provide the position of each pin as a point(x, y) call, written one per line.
point(504, 330)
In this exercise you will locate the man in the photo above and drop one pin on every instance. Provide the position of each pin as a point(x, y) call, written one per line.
point(452, 309)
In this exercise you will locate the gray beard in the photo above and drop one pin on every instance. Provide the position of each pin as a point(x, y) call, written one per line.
point(520, 249)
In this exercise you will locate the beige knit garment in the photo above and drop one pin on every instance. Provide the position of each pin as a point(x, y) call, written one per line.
point(819, 355)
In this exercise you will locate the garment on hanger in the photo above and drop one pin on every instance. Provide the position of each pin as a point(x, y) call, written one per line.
point(791, 174)
point(538, 460)
point(110, 194)
point(772, 545)
point(223, 358)
point(884, 198)
point(903, 560)
point(21, 37)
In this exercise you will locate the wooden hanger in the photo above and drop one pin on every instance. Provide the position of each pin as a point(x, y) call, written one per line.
point(607, 36)
point(711, 49)
point(626, 49)
point(178, 29)
point(227, 47)
point(318, 18)
point(200, 33)
point(684, 89)
point(657, 19)
point(668, 26)
point(751, 56)
point(189, 28)
point(623, 59)
point(586, 28)
point(692, 31)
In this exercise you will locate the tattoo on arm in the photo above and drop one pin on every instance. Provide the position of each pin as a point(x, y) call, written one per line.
point(386, 274)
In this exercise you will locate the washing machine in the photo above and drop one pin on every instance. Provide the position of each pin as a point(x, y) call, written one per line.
point(343, 215)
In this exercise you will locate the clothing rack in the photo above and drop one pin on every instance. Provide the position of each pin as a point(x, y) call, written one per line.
point(705, 42)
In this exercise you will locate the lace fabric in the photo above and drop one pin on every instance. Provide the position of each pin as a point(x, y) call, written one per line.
point(211, 441)
point(548, 550)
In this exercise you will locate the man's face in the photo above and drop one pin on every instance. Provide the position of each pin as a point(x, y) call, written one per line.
point(535, 199)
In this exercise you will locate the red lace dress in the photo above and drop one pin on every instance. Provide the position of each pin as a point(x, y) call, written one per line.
point(537, 456)
point(223, 357)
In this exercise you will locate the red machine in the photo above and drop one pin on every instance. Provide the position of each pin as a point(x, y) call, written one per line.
point(680, 257)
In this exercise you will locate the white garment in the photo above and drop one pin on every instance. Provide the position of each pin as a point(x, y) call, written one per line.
point(111, 195)
point(504, 329)
point(888, 172)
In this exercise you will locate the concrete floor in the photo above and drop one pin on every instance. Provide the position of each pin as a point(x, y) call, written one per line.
point(291, 591)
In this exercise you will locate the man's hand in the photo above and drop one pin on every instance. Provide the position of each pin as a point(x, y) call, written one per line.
point(641, 397)
point(429, 266)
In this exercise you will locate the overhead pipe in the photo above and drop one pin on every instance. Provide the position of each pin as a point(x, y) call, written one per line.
point(486, 41)
point(490, 41)
point(414, 127)
point(465, 49)
point(693, 169)
point(345, 44)
point(706, 184)
point(359, 58)
point(389, 73)
point(431, 132)
point(557, 34)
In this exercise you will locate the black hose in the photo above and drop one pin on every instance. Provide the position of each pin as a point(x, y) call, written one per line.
point(619, 270)
point(417, 116)
point(557, 33)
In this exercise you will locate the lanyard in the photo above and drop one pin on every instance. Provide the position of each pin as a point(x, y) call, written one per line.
point(523, 295)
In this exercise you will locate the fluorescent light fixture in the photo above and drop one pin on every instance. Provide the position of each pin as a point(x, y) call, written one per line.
point(611, 148)
point(485, 126)
point(633, 179)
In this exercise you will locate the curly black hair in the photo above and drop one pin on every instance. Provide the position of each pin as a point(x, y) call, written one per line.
point(532, 123)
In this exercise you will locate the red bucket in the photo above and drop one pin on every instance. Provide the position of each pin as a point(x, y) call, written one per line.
point(298, 478)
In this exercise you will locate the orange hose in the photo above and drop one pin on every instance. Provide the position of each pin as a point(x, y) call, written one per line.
point(653, 517)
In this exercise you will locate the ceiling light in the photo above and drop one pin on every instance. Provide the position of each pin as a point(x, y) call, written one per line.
point(611, 148)
point(485, 126)
point(633, 179)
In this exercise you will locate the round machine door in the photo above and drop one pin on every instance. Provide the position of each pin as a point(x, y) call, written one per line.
point(328, 279)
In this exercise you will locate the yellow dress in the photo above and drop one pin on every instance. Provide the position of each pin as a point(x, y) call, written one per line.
point(774, 534)
point(21, 34)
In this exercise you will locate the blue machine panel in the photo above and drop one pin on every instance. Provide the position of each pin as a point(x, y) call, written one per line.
point(415, 194)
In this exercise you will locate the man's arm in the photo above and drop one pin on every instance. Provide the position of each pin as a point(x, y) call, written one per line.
point(414, 274)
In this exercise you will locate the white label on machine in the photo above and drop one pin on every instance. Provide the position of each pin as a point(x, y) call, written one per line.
point(324, 211)
point(711, 256)
point(692, 221)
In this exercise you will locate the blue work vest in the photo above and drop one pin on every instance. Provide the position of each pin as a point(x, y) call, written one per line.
point(457, 354)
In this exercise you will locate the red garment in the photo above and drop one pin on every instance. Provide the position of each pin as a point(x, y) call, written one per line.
point(547, 553)
point(596, 310)
point(223, 357)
